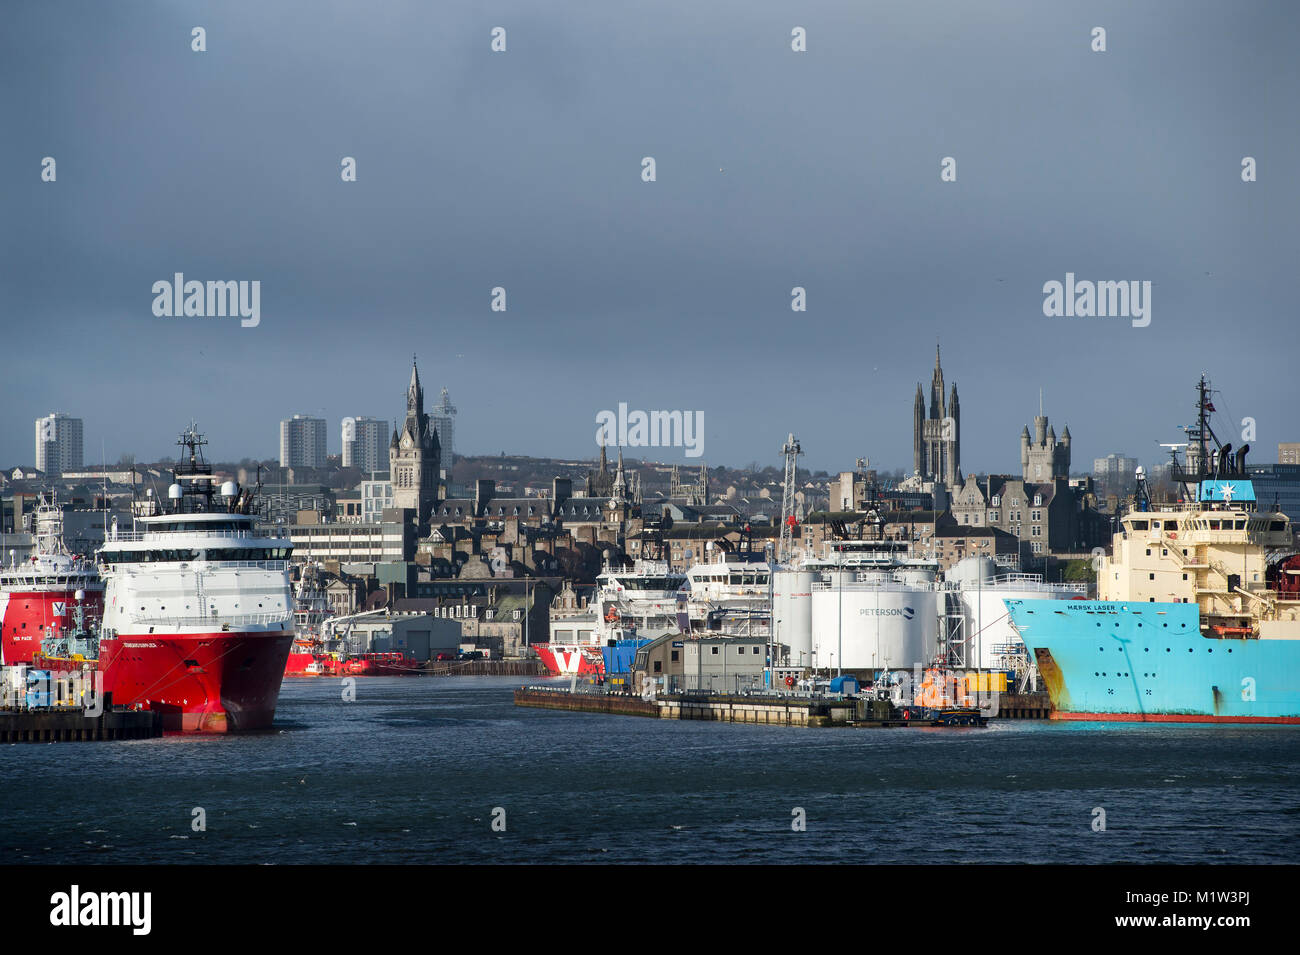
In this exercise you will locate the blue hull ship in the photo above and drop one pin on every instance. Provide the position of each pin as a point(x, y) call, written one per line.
point(1103, 660)
point(1198, 610)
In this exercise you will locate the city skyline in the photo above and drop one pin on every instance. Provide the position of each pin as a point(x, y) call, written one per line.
point(1263, 451)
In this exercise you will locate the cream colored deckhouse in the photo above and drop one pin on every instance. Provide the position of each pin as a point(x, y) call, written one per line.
point(1217, 558)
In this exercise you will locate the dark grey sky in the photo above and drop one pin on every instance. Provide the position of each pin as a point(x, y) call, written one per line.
point(522, 169)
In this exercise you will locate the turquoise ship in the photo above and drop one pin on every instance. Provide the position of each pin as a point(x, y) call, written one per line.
point(1151, 662)
point(1197, 616)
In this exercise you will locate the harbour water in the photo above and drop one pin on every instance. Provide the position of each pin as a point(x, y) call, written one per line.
point(413, 769)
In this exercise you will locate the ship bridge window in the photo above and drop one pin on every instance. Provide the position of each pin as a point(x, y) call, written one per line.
point(161, 555)
point(176, 526)
point(249, 553)
point(1139, 525)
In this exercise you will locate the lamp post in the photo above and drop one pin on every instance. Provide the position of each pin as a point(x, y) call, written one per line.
point(839, 618)
point(528, 611)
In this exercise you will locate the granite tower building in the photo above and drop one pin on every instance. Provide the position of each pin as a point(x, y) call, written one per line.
point(936, 434)
point(414, 455)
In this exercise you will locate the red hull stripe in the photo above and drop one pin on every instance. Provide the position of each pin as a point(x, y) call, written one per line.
point(1170, 718)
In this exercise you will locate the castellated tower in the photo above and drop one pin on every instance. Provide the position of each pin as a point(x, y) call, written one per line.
point(1042, 457)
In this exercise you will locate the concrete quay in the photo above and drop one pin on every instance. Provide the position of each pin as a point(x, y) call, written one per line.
point(67, 726)
point(763, 710)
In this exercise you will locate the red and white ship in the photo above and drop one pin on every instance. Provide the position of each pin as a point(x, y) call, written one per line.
point(39, 595)
point(571, 659)
point(198, 615)
point(310, 655)
point(644, 600)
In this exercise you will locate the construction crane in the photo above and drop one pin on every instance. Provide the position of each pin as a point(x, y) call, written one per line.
point(329, 628)
point(791, 450)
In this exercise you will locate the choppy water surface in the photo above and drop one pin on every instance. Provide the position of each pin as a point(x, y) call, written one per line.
point(413, 769)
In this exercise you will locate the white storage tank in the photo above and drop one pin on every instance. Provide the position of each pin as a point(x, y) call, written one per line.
point(868, 625)
point(792, 613)
point(987, 626)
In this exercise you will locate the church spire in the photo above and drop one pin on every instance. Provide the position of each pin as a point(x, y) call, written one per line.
point(619, 489)
point(937, 407)
point(414, 391)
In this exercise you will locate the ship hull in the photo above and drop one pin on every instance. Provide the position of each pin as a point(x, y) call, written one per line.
point(1150, 662)
point(303, 663)
point(200, 682)
point(1170, 718)
point(25, 613)
point(570, 660)
point(381, 665)
point(297, 663)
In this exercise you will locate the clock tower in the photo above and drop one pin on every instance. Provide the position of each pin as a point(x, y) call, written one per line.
point(414, 455)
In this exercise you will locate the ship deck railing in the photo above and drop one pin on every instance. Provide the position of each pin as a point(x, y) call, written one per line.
point(222, 622)
point(853, 585)
point(11, 576)
point(1011, 581)
point(278, 566)
point(135, 536)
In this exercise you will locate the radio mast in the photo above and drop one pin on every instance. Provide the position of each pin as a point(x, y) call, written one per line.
point(791, 450)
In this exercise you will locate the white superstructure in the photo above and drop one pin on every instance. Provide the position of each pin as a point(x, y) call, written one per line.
point(734, 586)
point(196, 573)
point(648, 595)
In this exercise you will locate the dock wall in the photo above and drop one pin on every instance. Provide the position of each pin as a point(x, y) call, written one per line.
point(68, 726)
point(585, 702)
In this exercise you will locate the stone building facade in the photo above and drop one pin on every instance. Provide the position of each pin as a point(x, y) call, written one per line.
point(1051, 516)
